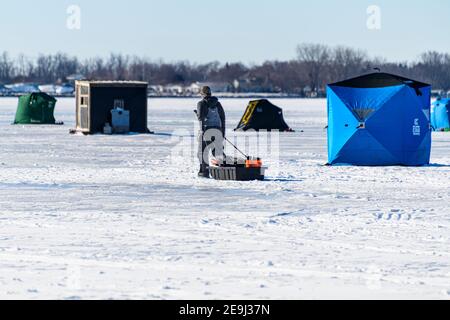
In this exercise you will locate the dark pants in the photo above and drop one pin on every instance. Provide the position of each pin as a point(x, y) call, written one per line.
point(210, 139)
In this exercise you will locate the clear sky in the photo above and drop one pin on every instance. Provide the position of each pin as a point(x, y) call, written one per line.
point(250, 31)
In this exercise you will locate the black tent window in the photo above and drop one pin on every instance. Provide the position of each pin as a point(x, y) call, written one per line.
point(362, 114)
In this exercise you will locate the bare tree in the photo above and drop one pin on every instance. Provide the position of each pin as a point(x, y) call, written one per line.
point(347, 62)
point(315, 57)
point(6, 67)
point(435, 67)
point(315, 66)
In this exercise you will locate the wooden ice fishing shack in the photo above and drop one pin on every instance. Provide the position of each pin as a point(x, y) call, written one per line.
point(111, 107)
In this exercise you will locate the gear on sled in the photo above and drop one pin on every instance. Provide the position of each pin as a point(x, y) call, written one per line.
point(222, 167)
point(236, 169)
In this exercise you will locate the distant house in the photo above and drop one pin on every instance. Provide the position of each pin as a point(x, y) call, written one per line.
point(4, 91)
point(156, 90)
point(47, 88)
point(249, 83)
point(174, 90)
point(75, 77)
point(218, 87)
point(65, 89)
point(307, 91)
point(22, 88)
point(61, 90)
point(194, 88)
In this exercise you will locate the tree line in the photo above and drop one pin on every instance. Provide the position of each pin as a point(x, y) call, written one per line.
point(314, 66)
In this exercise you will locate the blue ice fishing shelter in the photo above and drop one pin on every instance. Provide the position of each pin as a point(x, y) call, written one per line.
point(379, 119)
point(440, 115)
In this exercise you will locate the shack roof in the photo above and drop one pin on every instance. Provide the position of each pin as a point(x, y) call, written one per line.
point(113, 83)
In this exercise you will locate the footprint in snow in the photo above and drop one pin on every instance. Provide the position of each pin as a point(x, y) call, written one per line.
point(168, 288)
point(395, 215)
point(288, 214)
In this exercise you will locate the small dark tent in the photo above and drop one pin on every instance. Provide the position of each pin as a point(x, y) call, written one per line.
point(262, 115)
point(379, 119)
point(35, 108)
point(440, 115)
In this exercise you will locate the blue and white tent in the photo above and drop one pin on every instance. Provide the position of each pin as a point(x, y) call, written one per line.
point(440, 115)
point(379, 120)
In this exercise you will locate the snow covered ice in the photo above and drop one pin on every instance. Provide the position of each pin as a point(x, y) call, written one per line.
point(121, 217)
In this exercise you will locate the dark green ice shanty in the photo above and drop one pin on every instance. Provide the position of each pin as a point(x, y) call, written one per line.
point(36, 108)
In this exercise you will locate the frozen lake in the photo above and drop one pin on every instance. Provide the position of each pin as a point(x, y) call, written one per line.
point(125, 217)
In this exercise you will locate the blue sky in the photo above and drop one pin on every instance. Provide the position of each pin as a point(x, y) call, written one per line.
point(250, 31)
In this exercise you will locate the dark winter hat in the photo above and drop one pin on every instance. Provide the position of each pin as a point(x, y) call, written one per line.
point(205, 91)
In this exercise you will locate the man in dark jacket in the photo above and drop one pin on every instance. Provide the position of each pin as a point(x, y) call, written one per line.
point(211, 115)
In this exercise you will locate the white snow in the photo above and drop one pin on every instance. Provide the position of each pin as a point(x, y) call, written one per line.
point(125, 217)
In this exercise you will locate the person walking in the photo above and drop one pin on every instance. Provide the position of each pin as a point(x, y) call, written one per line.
point(211, 116)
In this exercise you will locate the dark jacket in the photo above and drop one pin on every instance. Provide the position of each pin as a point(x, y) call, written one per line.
point(202, 110)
